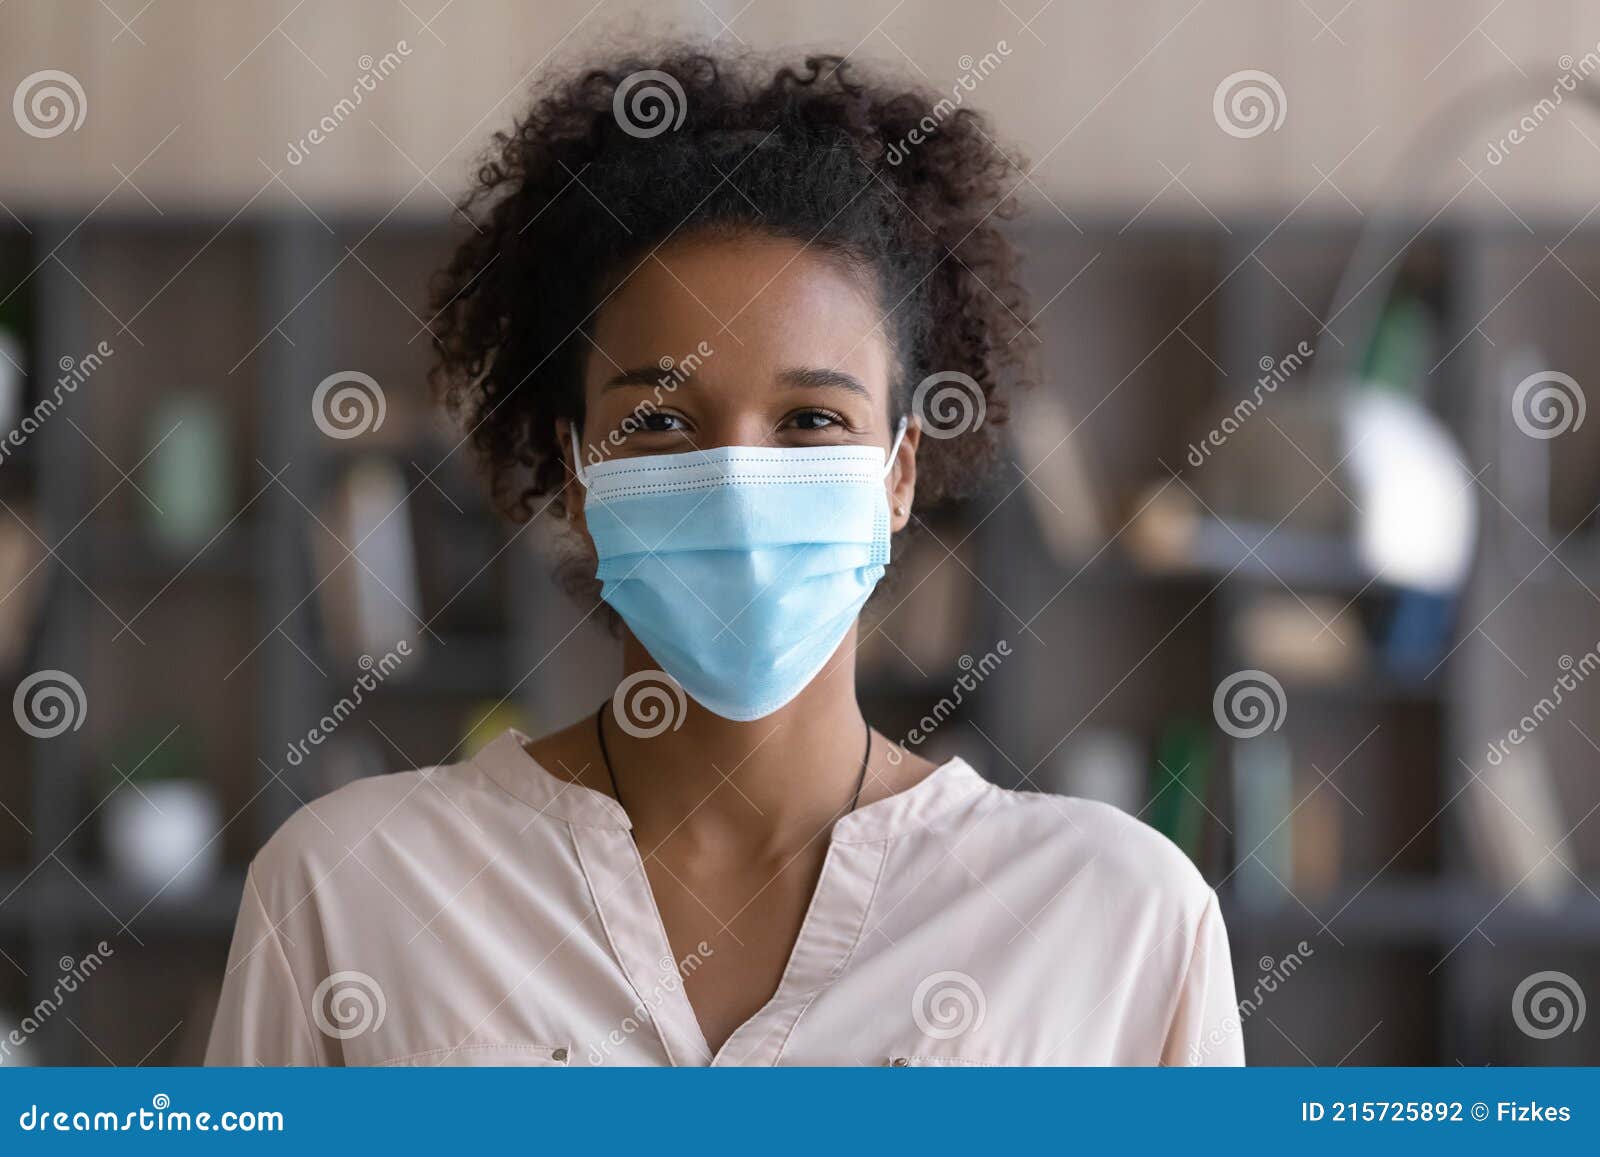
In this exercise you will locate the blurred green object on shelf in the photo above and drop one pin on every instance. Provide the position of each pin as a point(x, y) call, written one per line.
point(189, 476)
point(486, 721)
point(1178, 785)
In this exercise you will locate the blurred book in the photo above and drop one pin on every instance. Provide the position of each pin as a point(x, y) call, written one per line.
point(1104, 765)
point(188, 474)
point(1306, 638)
point(13, 379)
point(345, 758)
point(1415, 632)
point(488, 720)
point(1316, 839)
point(1523, 463)
point(370, 600)
point(1061, 487)
point(1178, 786)
point(1402, 346)
point(22, 585)
point(1263, 798)
point(1517, 826)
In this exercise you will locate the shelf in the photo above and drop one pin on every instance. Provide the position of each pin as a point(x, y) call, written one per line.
point(1303, 560)
point(1370, 687)
point(128, 552)
point(1420, 912)
point(55, 900)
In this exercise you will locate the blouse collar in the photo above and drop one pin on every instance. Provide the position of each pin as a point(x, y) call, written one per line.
point(506, 761)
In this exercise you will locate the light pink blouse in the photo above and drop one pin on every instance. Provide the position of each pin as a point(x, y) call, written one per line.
point(488, 913)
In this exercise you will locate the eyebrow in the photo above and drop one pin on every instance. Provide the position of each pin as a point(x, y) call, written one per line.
point(799, 378)
point(642, 376)
point(823, 379)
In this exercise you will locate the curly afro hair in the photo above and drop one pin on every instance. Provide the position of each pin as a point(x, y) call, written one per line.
point(901, 183)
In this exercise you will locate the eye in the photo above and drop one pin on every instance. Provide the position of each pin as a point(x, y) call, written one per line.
point(813, 419)
point(657, 422)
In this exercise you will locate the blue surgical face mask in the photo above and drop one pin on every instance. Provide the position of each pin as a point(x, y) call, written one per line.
point(740, 569)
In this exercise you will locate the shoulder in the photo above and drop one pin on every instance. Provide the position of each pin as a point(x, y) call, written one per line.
point(374, 825)
point(1126, 859)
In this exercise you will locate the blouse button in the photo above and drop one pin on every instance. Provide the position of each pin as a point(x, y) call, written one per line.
point(559, 1055)
point(899, 1062)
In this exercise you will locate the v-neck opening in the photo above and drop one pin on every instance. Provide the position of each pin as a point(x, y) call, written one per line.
point(828, 933)
point(625, 901)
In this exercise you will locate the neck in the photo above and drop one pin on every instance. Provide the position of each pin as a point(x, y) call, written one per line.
point(772, 783)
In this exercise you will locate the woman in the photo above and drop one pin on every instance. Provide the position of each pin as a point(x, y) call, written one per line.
point(692, 323)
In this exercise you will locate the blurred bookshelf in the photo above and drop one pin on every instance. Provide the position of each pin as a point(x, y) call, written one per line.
point(231, 637)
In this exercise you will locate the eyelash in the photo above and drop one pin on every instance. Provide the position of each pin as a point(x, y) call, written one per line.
point(641, 423)
point(834, 418)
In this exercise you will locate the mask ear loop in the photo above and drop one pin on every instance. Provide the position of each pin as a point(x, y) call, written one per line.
point(577, 459)
point(894, 447)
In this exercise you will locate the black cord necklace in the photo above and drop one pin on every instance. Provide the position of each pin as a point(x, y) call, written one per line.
point(605, 757)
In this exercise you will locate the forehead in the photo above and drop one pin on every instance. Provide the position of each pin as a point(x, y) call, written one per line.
point(762, 305)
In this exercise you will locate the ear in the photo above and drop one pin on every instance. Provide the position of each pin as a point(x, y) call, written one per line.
point(902, 479)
